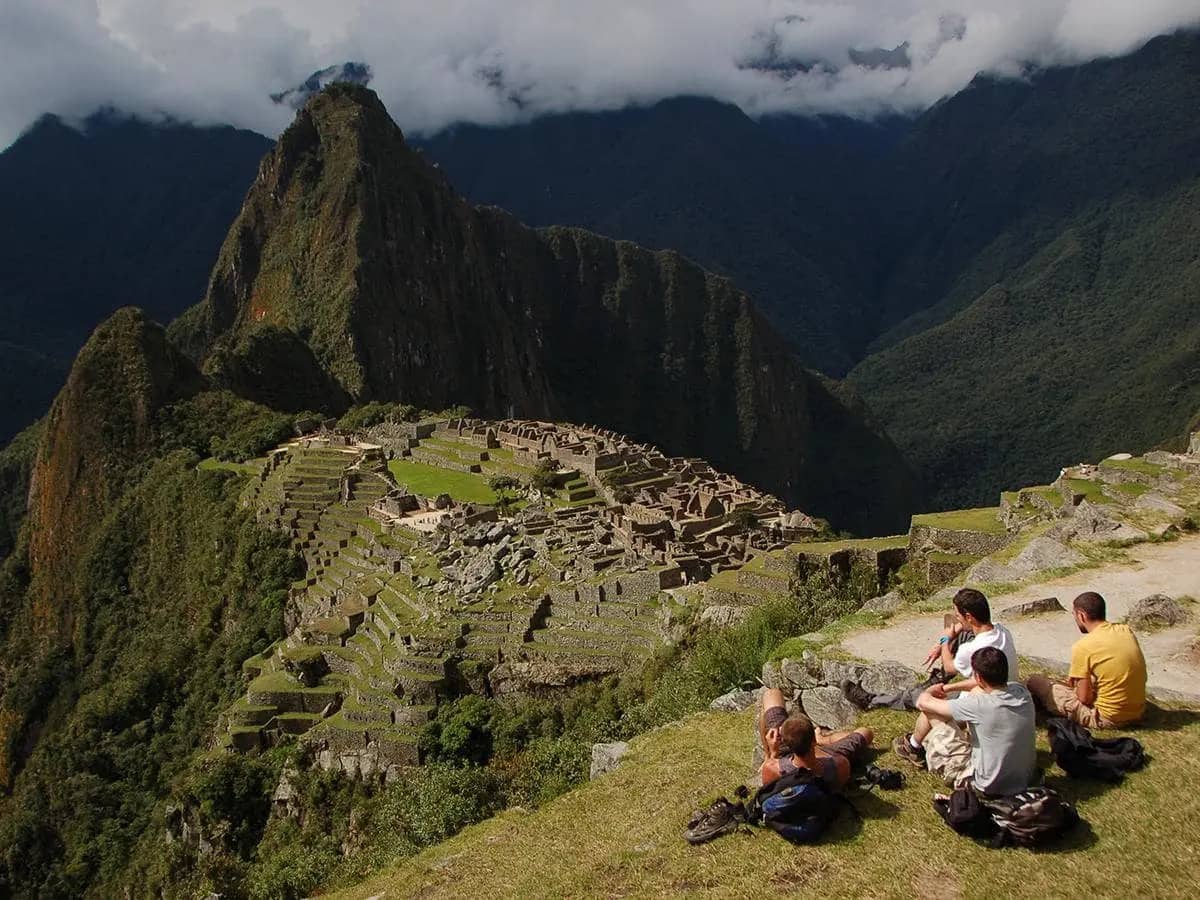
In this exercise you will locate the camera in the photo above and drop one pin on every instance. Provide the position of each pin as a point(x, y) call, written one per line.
point(888, 779)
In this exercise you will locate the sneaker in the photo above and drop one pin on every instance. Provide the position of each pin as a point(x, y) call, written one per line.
point(721, 817)
point(905, 751)
point(856, 694)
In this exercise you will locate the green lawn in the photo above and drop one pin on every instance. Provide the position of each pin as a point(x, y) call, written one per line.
point(247, 469)
point(1091, 490)
point(825, 547)
point(1134, 465)
point(986, 519)
point(621, 835)
point(429, 481)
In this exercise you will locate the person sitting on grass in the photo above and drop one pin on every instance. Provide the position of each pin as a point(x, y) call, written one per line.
point(1106, 686)
point(791, 743)
point(985, 735)
point(974, 617)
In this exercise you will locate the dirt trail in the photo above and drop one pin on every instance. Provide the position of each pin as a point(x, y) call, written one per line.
point(1169, 568)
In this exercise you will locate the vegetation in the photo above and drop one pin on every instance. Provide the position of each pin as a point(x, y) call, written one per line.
point(429, 481)
point(622, 832)
point(986, 520)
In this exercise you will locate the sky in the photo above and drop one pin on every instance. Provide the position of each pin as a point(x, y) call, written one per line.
point(437, 62)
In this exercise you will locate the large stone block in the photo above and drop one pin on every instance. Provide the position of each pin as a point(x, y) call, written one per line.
point(828, 708)
point(607, 757)
point(888, 677)
point(1157, 611)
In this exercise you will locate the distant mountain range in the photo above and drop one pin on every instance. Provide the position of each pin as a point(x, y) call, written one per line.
point(918, 256)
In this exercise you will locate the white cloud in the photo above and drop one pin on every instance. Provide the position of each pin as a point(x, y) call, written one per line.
point(502, 60)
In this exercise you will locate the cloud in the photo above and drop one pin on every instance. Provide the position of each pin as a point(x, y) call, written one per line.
point(489, 61)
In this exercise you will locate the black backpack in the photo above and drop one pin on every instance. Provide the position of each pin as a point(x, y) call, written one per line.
point(1031, 818)
point(1082, 756)
point(798, 806)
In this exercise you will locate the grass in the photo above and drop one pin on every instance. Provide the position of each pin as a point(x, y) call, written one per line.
point(1134, 465)
point(429, 481)
point(826, 547)
point(1091, 490)
point(621, 834)
point(246, 469)
point(985, 519)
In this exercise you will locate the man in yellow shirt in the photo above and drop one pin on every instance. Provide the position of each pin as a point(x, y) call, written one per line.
point(1106, 687)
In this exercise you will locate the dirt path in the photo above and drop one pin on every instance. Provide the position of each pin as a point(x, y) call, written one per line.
point(1169, 568)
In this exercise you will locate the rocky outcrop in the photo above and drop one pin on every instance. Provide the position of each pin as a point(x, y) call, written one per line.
point(1157, 611)
point(606, 758)
point(1039, 555)
point(400, 290)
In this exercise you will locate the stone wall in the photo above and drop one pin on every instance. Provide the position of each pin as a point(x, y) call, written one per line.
point(923, 538)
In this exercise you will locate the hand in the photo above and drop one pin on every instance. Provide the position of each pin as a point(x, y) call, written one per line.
point(772, 747)
point(933, 656)
point(938, 690)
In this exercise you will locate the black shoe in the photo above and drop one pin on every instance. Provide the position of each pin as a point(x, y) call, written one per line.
point(905, 751)
point(856, 694)
point(720, 818)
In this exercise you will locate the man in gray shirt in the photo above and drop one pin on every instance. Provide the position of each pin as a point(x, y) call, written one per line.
point(996, 750)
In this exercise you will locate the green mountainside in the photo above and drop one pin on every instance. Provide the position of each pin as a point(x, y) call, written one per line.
point(426, 299)
point(1098, 337)
point(117, 212)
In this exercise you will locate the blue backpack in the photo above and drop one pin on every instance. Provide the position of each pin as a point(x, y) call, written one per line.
point(798, 806)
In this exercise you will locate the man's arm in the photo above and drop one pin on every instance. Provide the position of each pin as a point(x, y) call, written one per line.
point(965, 685)
point(935, 707)
point(1085, 690)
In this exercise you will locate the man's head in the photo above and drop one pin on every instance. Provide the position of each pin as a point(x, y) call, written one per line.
point(972, 608)
point(1088, 610)
point(990, 666)
point(797, 736)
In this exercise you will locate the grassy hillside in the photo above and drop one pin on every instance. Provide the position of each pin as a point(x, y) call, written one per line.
point(1090, 348)
point(622, 834)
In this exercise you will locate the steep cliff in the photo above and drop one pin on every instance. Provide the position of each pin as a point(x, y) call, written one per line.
point(350, 242)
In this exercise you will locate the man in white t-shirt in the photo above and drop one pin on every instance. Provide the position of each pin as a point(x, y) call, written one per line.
point(973, 616)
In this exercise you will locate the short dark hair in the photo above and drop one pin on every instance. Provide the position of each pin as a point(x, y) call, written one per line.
point(990, 665)
point(797, 735)
point(1091, 605)
point(969, 600)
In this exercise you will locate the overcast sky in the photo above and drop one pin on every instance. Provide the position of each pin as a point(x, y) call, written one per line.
point(441, 61)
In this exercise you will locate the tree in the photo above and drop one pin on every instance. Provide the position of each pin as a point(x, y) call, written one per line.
point(544, 474)
point(743, 520)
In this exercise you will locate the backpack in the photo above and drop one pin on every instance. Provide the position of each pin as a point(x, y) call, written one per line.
point(798, 806)
point(1082, 756)
point(1031, 818)
point(963, 811)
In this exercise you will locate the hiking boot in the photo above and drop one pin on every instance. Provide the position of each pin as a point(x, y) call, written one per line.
point(856, 694)
point(905, 751)
point(721, 817)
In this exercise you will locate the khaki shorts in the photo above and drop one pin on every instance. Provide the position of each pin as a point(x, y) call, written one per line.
point(1059, 699)
point(948, 752)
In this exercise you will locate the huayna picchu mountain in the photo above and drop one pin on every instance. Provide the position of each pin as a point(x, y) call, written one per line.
point(354, 272)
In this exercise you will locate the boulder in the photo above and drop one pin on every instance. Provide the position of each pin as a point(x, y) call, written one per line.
point(1033, 607)
point(828, 708)
point(888, 677)
point(795, 675)
point(1157, 611)
point(1039, 555)
point(1091, 524)
point(1158, 503)
point(725, 616)
point(607, 757)
point(482, 571)
point(734, 701)
point(886, 604)
point(835, 671)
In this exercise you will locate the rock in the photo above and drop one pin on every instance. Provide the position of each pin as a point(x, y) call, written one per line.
point(734, 701)
point(828, 708)
point(1039, 555)
point(814, 637)
point(725, 616)
point(1157, 611)
point(795, 675)
point(888, 677)
point(1033, 607)
point(607, 757)
point(1159, 503)
point(835, 671)
point(772, 677)
point(479, 573)
point(1091, 524)
point(885, 604)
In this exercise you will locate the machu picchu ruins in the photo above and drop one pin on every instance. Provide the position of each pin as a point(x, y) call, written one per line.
point(412, 597)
